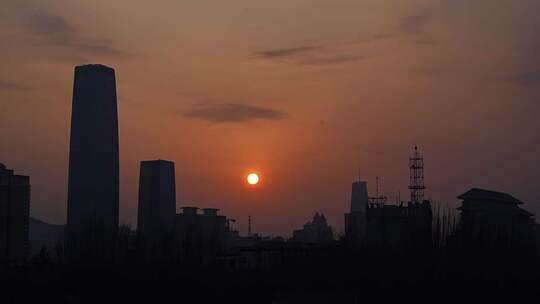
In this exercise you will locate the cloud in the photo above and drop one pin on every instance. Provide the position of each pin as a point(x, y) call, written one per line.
point(234, 112)
point(307, 55)
point(12, 86)
point(383, 36)
point(281, 53)
point(530, 78)
point(56, 31)
point(412, 26)
point(413, 23)
point(331, 59)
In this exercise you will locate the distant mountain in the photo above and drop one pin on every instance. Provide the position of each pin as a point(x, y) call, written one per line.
point(44, 234)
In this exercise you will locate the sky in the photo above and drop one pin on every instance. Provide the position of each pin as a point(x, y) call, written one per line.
point(304, 92)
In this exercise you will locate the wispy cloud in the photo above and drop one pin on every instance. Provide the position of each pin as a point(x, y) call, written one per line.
point(57, 31)
point(319, 60)
point(12, 86)
point(408, 26)
point(288, 52)
point(233, 112)
point(413, 23)
point(307, 55)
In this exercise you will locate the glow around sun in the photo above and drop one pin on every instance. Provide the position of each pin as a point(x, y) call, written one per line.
point(253, 178)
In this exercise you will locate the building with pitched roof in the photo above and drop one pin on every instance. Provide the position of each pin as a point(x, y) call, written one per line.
point(491, 218)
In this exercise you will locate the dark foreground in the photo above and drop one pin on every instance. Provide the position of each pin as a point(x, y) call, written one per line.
point(332, 276)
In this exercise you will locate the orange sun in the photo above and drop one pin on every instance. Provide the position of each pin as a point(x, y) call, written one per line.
point(253, 179)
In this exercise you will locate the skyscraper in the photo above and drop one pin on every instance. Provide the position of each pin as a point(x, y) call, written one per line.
point(355, 221)
point(359, 196)
point(92, 219)
point(14, 215)
point(157, 207)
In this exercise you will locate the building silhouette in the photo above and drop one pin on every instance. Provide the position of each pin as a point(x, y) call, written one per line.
point(355, 221)
point(157, 208)
point(490, 218)
point(199, 237)
point(92, 215)
point(269, 254)
point(315, 231)
point(14, 215)
point(400, 226)
point(406, 224)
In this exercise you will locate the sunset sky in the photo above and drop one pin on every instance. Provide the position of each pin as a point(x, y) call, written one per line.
point(304, 92)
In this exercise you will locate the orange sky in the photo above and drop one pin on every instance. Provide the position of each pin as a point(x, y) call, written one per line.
point(302, 91)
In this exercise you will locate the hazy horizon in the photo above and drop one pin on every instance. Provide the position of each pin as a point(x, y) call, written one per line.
point(304, 92)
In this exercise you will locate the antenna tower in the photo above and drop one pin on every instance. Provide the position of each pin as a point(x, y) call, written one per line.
point(416, 180)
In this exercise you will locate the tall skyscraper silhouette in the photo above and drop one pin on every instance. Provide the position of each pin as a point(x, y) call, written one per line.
point(92, 219)
point(157, 207)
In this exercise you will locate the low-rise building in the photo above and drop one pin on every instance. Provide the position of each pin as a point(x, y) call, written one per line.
point(315, 231)
point(199, 237)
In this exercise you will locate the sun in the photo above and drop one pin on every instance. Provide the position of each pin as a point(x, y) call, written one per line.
point(253, 178)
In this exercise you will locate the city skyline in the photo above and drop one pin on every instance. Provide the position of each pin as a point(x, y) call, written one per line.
point(286, 151)
point(303, 101)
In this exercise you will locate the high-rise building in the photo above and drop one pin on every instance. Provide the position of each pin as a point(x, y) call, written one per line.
point(14, 215)
point(157, 207)
point(355, 221)
point(359, 196)
point(92, 217)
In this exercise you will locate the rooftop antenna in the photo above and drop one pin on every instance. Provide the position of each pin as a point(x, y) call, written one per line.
point(359, 175)
point(379, 187)
point(230, 223)
point(249, 225)
point(416, 176)
point(376, 186)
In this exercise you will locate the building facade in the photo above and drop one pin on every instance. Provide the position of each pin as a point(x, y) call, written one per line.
point(356, 219)
point(14, 216)
point(494, 219)
point(400, 226)
point(157, 207)
point(199, 237)
point(92, 215)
